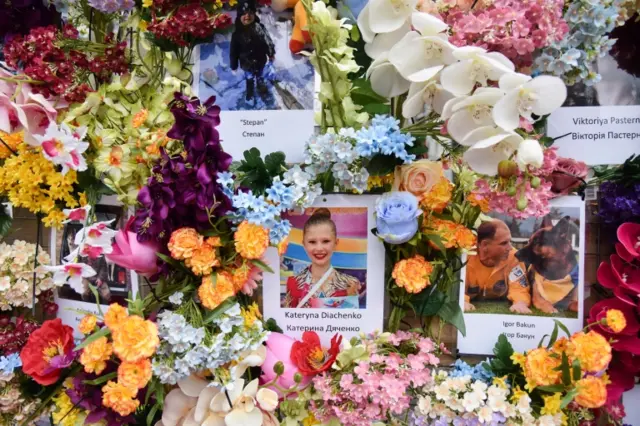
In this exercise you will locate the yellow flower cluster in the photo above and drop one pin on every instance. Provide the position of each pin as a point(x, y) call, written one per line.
point(615, 320)
point(412, 274)
point(438, 197)
point(377, 182)
point(198, 254)
point(31, 181)
point(552, 404)
point(251, 240)
point(12, 141)
point(135, 339)
point(452, 234)
point(95, 355)
point(591, 349)
point(65, 414)
point(250, 314)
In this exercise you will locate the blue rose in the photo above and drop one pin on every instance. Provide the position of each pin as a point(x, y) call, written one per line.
point(397, 217)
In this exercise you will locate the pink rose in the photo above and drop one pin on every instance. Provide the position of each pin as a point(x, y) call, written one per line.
point(418, 178)
point(567, 175)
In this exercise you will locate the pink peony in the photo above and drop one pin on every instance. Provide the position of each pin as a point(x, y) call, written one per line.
point(567, 175)
point(129, 253)
point(629, 237)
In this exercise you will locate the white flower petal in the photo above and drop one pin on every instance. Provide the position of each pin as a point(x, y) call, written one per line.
point(425, 74)
point(176, 406)
point(384, 42)
point(413, 54)
point(363, 25)
point(501, 63)
point(267, 398)
point(257, 357)
point(551, 92)
point(457, 78)
point(192, 385)
point(467, 52)
point(385, 79)
point(244, 418)
point(251, 389)
point(220, 403)
point(505, 111)
point(189, 420)
point(440, 99)
point(214, 420)
point(427, 24)
point(448, 108)
point(386, 16)
point(484, 160)
point(414, 104)
point(485, 133)
point(511, 81)
point(204, 400)
point(461, 124)
point(529, 153)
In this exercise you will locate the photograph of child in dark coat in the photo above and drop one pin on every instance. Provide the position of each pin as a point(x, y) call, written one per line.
point(251, 48)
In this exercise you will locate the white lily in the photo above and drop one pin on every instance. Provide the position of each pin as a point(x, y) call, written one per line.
point(489, 145)
point(475, 66)
point(529, 154)
point(72, 274)
point(384, 16)
point(468, 113)
point(246, 408)
point(385, 79)
point(428, 94)
point(420, 57)
point(526, 96)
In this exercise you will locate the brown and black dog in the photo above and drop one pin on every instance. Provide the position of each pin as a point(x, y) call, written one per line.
point(550, 262)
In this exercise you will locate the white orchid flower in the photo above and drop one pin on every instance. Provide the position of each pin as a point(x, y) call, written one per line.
point(428, 95)
point(384, 16)
point(419, 58)
point(63, 146)
point(385, 79)
point(250, 359)
point(529, 154)
point(246, 405)
point(475, 66)
point(468, 113)
point(526, 96)
point(383, 42)
point(177, 407)
point(72, 274)
point(489, 145)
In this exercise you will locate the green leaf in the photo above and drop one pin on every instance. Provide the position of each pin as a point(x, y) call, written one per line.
point(382, 165)
point(563, 327)
point(169, 260)
point(418, 149)
point(577, 370)
point(219, 310)
point(102, 379)
point(429, 303)
point(451, 313)
point(262, 265)
point(152, 414)
point(551, 388)
point(5, 223)
point(103, 332)
point(568, 398)
point(272, 325)
point(542, 340)
point(565, 369)
point(437, 240)
point(503, 349)
point(275, 163)
point(554, 336)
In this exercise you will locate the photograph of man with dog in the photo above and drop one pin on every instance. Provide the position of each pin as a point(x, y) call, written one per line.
point(526, 267)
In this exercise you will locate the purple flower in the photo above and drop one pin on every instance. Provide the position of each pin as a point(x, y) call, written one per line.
point(112, 6)
point(195, 122)
point(619, 203)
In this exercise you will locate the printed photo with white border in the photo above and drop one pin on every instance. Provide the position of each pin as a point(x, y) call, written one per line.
point(331, 277)
point(524, 275)
point(112, 282)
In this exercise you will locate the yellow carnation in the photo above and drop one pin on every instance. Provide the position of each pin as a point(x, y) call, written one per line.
point(412, 274)
point(115, 316)
point(135, 339)
point(88, 324)
point(120, 398)
point(591, 349)
point(202, 260)
point(135, 375)
point(615, 320)
point(251, 240)
point(184, 242)
point(438, 197)
point(540, 368)
point(213, 295)
point(95, 355)
point(561, 345)
point(592, 392)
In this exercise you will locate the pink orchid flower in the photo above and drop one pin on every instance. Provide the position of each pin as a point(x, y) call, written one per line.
point(629, 246)
point(279, 350)
point(622, 278)
point(129, 253)
point(80, 214)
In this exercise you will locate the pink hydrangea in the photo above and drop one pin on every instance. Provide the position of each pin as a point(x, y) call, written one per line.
point(515, 28)
point(499, 201)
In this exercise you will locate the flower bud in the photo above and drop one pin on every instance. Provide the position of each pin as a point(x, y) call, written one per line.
point(297, 378)
point(278, 368)
point(507, 168)
point(522, 204)
point(535, 182)
point(511, 191)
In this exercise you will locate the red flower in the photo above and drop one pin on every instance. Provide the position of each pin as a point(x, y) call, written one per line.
point(309, 355)
point(599, 312)
point(629, 245)
point(47, 351)
point(621, 277)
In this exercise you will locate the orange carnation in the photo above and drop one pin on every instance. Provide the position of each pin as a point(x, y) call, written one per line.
point(615, 320)
point(412, 274)
point(203, 260)
point(479, 201)
point(591, 349)
point(214, 241)
point(87, 324)
point(95, 355)
point(120, 398)
point(184, 242)
point(135, 375)
point(561, 345)
point(438, 197)
point(240, 276)
point(115, 316)
point(251, 240)
point(539, 368)
point(135, 339)
point(592, 392)
point(140, 118)
point(465, 238)
point(282, 246)
point(213, 295)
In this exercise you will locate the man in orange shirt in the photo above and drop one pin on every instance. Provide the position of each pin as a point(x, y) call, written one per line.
point(495, 273)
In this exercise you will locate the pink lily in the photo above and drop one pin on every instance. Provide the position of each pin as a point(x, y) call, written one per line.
point(129, 253)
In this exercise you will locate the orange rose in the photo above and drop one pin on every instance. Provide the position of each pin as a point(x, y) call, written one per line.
point(203, 260)
point(540, 368)
point(591, 349)
point(413, 274)
point(184, 242)
point(251, 240)
point(592, 392)
point(213, 295)
point(438, 197)
point(135, 375)
point(114, 316)
point(95, 355)
point(135, 339)
point(120, 398)
point(87, 324)
point(418, 177)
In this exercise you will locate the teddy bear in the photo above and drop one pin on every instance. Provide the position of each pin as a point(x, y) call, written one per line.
point(299, 36)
